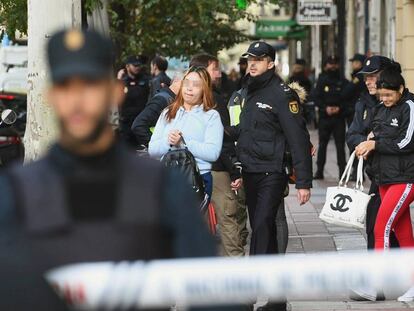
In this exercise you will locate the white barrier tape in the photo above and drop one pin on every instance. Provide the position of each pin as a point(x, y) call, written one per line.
point(221, 281)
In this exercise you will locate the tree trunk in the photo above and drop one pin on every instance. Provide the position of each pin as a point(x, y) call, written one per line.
point(44, 18)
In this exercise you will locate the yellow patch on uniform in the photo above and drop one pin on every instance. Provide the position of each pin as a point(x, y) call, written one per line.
point(294, 107)
point(125, 90)
point(365, 115)
point(74, 40)
point(355, 80)
point(326, 89)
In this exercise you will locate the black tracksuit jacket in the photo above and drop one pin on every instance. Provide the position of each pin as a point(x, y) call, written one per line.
point(393, 128)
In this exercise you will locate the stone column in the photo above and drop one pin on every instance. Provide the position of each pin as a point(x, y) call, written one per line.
point(44, 18)
point(407, 58)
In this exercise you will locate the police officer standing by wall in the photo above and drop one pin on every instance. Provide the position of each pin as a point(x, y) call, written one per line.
point(270, 122)
point(137, 89)
point(328, 96)
point(88, 199)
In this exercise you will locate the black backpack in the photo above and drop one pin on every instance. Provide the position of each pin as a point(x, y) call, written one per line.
point(183, 160)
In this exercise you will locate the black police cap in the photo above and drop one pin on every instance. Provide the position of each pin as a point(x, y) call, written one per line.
point(135, 60)
point(358, 57)
point(300, 61)
point(375, 63)
point(79, 53)
point(332, 59)
point(260, 49)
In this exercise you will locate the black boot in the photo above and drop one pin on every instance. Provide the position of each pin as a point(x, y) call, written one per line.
point(318, 175)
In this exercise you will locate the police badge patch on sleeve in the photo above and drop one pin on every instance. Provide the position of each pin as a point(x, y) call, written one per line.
point(294, 106)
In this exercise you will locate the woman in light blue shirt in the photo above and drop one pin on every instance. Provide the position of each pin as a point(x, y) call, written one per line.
point(191, 116)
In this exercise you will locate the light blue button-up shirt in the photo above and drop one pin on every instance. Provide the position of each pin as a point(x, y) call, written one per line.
point(202, 131)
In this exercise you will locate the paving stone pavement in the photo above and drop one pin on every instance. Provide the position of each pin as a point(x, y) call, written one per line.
point(308, 234)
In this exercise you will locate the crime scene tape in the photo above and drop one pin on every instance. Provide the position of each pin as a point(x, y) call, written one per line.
point(222, 281)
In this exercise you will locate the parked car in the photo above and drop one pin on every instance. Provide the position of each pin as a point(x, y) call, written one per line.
point(13, 96)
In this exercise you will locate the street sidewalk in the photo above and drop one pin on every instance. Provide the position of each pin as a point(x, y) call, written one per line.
point(308, 234)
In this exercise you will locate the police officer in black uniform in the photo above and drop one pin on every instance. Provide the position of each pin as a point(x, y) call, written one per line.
point(354, 89)
point(137, 90)
point(88, 199)
point(328, 96)
point(360, 128)
point(270, 122)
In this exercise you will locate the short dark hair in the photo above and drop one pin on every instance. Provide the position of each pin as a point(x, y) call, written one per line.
point(390, 78)
point(202, 60)
point(160, 62)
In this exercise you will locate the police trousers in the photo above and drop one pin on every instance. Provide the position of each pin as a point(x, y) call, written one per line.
point(331, 126)
point(264, 194)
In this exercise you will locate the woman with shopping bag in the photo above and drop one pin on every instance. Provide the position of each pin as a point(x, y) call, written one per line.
point(391, 145)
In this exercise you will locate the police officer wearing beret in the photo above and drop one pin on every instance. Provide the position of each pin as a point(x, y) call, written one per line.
point(270, 122)
point(328, 96)
point(88, 199)
point(137, 90)
point(360, 128)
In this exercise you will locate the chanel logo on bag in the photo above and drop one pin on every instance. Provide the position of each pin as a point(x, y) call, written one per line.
point(340, 203)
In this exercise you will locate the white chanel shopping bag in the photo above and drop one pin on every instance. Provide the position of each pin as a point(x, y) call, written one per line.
point(347, 206)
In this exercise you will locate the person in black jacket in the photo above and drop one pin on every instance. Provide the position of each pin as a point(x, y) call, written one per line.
point(392, 146)
point(270, 121)
point(328, 96)
point(137, 91)
point(159, 66)
point(299, 75)
point(141, 127)
point(361, 126)
point(353, 90)
point(79, 203)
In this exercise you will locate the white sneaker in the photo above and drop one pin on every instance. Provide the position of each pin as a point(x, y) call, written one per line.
point(408, 296)
point(364, 294)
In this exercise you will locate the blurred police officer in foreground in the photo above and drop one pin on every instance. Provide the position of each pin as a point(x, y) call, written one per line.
point(88, 199)
point(137, 90)
point(270, 122)
point(328, 96)
point(360, 128)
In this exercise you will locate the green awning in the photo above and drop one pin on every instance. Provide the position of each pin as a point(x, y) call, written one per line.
point(272, 29)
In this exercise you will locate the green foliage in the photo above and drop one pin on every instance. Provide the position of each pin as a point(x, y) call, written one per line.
point(13, 15)
point(176, 28)
point(169, 27)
